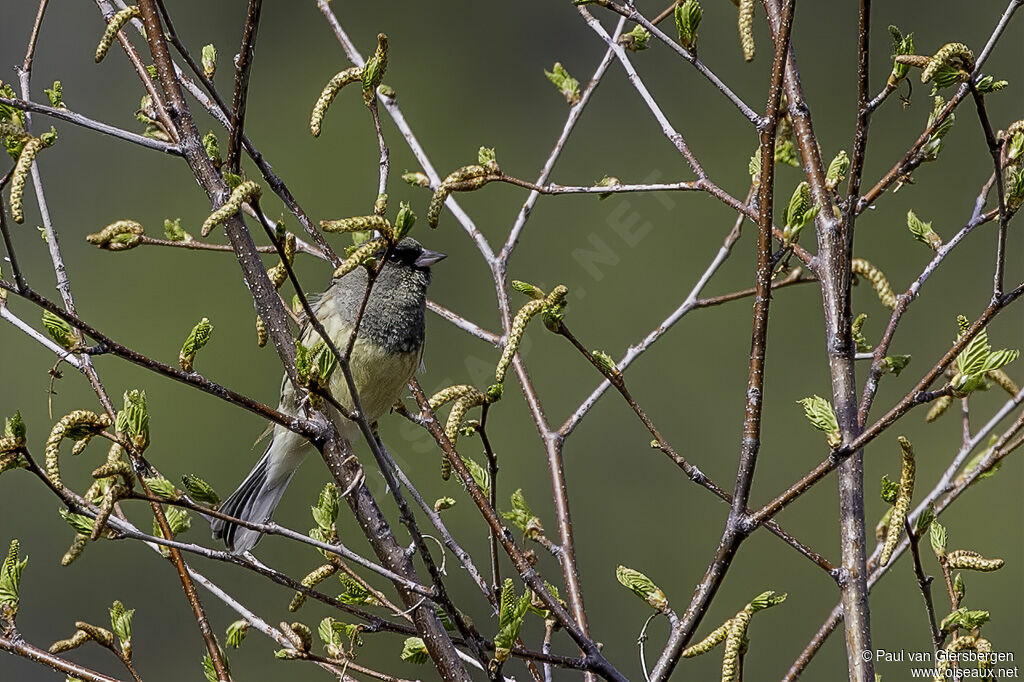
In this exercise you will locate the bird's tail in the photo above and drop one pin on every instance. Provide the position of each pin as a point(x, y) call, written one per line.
point(254, 501)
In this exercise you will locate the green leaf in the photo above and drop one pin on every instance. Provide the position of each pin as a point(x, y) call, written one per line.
point(964, 618)
point(819, 413)
point(858, 337)
point(636, 39)
point(896, 363)
point(121, 623)
point(479, 474)
point(766, 600)
point(338, 637)
point(161, 487)
point(236, 633)
point(989, 84)
point(209, 60)
point(415, 651)
point(921, 230)
point(81, 524)
point(14, 427)
point(177, 518)
point(355, 594)
point(133, 420)
point(566, 84)
point(194, 342)
point(938, 538)
point(55, 95)
point(199, 490)
point(837, 169)
point(325, 513)
point(404, 221)
point(10, 576)
point(442, 503)
point(890, 489)
point(642, 586)
point(510, 619)
point(486, 155)
point(58, 330)
point(688, 15)
point(173, 231)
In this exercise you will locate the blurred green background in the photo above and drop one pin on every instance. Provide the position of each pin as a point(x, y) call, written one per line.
point(470, 74)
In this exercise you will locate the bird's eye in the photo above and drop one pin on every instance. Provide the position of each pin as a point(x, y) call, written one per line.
point(393, 256)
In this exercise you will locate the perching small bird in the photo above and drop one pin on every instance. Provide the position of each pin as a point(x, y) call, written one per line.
point(386, 354)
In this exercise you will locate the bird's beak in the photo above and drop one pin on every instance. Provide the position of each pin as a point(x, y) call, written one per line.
point(428, 258)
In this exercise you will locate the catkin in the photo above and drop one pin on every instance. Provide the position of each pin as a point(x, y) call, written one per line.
point(357, 224)
point(945, 56)
point(883, 289)
point(358, 256)
point(116, 23)
point(75, 425)
point(20, 177)
point(899, 509)
point(734, 641)
point(716, 637)
point(247, 191)
point(519, 323)
point(120, 235)
point(966, 559)
point(746, 26)
point(314, 578)
point(340, 80)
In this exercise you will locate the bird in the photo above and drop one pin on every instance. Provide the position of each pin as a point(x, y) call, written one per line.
point(387, 352)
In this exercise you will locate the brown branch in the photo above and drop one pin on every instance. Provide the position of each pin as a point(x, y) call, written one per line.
point(595, 660)
point(995, 149)
point(691, 470)
point(91, 124)
point(735, 530)
point(219, 110)
point(242, 68)
point(924, 583)
point(18, 646)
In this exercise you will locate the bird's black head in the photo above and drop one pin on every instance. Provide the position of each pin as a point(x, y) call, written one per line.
point(410, 253)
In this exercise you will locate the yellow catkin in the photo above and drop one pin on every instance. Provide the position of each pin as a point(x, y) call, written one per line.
point(357, 224)
point(114, 493)
point(358, 256)
point(899, 509)
point(956, 55)
point(958, 644)
point(965, 559)
point(314, 578)
point(98, 634)
point(437, 203)
point(746, 26)
point(519, 323)
point(262, 335)
point(74, 425)
point(716, 637)
point(458, 412)
point(449, 394)
point(340, 80)
point(75, 550)
point(120, 235)
point(373, 70)
point(734, 642)
point(1003, 381)
point(73, 642)
point(464, 179)
point(247, 191)
point(20, 177)
point(116, 23)
point(883, 289)
point(938, 408)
